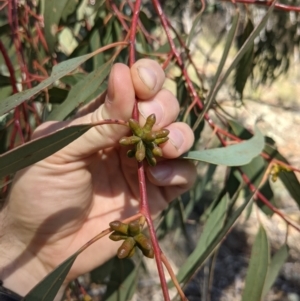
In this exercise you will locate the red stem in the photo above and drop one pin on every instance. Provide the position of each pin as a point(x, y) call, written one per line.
point(119, 15)
point(144, 207)
point(132, 35)
point(265, 200)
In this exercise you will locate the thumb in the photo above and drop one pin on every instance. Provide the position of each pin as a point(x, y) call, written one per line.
point(119, 103)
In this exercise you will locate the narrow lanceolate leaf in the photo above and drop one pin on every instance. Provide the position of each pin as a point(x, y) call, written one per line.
point(80, 92)
point(233, 155)
point(47, 289)
point(52, 15)
point(276, 264)
point(58, 71)
point(245, 66)
point(39, 149)
point(291, 183)
point(258, 268)
point(194, 26)
point(212, 228)
point(229, 40)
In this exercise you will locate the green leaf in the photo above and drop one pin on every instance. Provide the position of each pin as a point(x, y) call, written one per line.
point(47, 289)
point(95, 43)
point(194, 26)
point(199, 189)
point(57, 95)
point(39, 149)
point(288, 178)
point(58, 71)
point(229, 40)
point(212, 228)
point(5, 92)
point(233, 155)
point(69, 9)
point(248, 44)
point(166, 48)
point(245, 66)
point(239, 130)
point(255, 171)
point(52, 15)
point(79, 93)
point(276, 263)
point(122, 282)
point(4, 81)
point(291, 183)
point(258, 268)
point(73, 79)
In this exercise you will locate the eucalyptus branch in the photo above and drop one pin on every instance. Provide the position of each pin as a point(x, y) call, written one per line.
point(144, 206)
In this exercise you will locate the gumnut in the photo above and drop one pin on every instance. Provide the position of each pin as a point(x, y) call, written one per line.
point(126, 248)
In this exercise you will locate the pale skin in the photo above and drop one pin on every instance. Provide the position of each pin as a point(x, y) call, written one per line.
point(56, 205)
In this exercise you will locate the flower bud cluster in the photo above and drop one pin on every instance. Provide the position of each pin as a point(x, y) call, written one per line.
point(132, 236)
point(145, 140)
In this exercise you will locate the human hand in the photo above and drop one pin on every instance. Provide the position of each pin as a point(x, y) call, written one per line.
point(56, 205)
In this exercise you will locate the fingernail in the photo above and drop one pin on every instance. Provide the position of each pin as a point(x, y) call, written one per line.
point(147, 76)
point(147, 108)
point(161, 172)
point(176, 138)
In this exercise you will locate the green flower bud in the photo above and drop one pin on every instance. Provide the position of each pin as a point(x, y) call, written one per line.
point(157, 151)
point(126, 247)
point(150, 157)
point(119, 227)
point(150, 121)
point(140, 151)
point(134, 228)
point(116, 236)
point(142, 221)
point(143, 242)
point(148, 253)
point(161, 140)
point(149, 137)
point(131, 253)
point(129, 140)
point(131, 153)
point(162, 133)
point(135, 127)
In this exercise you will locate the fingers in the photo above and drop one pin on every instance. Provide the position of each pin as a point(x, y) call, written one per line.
point(144, 79)
point(174, 177)
point(181, 139)
point(177, 172)
point(147, 77)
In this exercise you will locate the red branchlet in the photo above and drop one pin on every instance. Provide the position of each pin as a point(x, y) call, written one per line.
point(119, 15)
point(144, 207)
point(264, 200)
